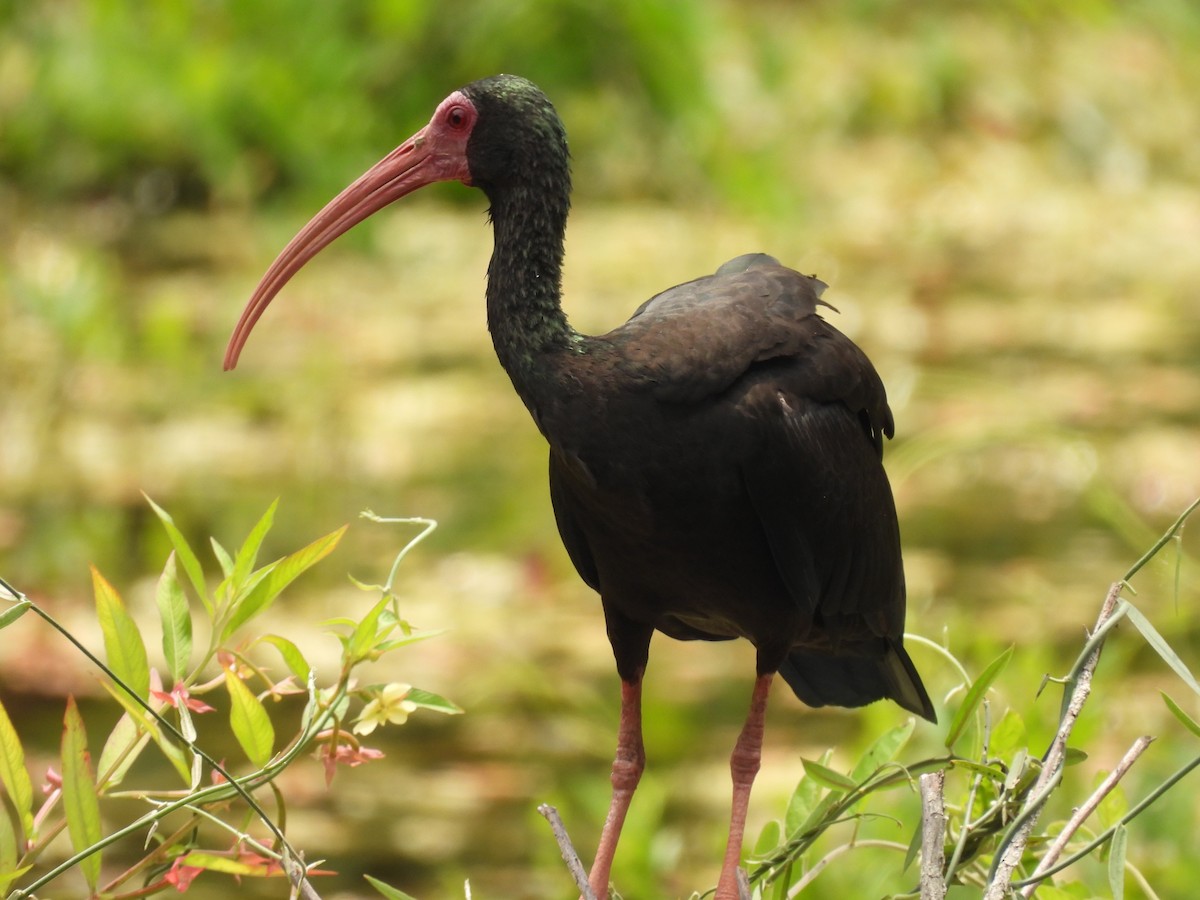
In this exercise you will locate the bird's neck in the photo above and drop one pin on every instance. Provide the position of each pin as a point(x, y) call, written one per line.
point(524, 293)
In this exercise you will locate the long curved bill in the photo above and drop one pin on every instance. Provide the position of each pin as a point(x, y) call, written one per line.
point(412, 165)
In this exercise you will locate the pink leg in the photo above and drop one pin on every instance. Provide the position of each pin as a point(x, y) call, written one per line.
point(626, 772)
point(743, 764)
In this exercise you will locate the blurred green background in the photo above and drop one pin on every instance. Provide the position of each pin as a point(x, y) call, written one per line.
point(1004, 197)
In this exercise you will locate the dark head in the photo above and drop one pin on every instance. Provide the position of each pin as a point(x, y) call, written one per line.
point(500, 134)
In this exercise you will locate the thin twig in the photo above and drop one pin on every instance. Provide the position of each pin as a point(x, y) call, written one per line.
point(1086, 809)
point(1105, 836)
point(933, 835)
point(1013, 848)
point(567, 849)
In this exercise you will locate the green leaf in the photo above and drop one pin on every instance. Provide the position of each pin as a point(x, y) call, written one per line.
point(768, 840)
point(1116, 863)
point(249, 720)
point(992, 772)
point(224, 560)
point(827, 777)
point(291, 654)
point(122, 641)
point(282, 573)
point(435, 702)
point(387, 890)
point(975, 696)
point(80, 803)
point(247, 554)
point(384, 646)
point(1073, 756)
point(1160, 645)
point(124, 745)
point(884, 750)
point(176, 621)
point(1007, 735)
point(214, 862)
point(1188, 722)
point(366, 633)
point(914, 848)
point(172, 751)
point(14, 612)
point(1114, 805)
point(9, 853)
point(187, 558)
point(804, 801)
point(13, 774)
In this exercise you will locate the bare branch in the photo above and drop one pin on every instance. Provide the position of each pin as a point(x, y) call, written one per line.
point(567, 849)
point(1089, 806)
point(933, 835)
point(1052, 763)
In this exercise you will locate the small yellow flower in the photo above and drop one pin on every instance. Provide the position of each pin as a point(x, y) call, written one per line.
point(389, 706)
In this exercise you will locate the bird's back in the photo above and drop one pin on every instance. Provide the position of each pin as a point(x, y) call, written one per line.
point(721, 477)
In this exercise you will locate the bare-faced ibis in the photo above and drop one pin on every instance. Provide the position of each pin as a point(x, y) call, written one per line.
point(715, 462)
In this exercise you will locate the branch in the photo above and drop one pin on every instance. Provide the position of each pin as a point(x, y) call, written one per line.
point(1081, 814)
point(933, 836)
point(567, 849)
point(1013, 847)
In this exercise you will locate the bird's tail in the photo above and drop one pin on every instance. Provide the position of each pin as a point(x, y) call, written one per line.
point(821, 680)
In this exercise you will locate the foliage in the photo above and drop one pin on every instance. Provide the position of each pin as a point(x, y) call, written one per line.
point(1002, 196)
point(203, 823)
point(191, 104)
point(997, 788)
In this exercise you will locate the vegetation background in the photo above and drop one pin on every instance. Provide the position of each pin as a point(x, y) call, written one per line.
point(1005, 199)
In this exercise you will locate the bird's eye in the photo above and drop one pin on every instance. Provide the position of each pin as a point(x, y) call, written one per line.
point(456, 117)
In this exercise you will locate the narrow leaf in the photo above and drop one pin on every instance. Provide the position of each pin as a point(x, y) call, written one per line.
point(1160, 645)
point(436, 702)
point(14, 612)
point(291, 654)
point(884, 750)
point(124, 745)
point(13, 774)
point(803, 802)
point(768, 840)
point(991, 772)
point(224, 560)
point(914, 847)
point(391, 644)
point(80, 803)
point(249, 720)
point(122, 641)
point(827, 777)
point(975, 696)
point(1007, 735)
point(9, 853)
point(282, 574)
point(247, 554)
point(187, 557)
point(366, 633)
point(387, 890)
point(176, 621)
point(1113, 807)
point(252, 866)
point(1188, 722)
point(1116, 863)
point(172, 751)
